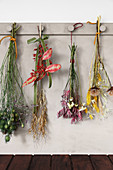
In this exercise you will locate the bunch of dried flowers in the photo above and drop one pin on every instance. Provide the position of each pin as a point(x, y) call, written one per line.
point(43, 66)
point(12, 102)
point(99, 82)
point(71, 98)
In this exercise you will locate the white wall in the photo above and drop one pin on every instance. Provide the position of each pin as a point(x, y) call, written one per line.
point(55, 11)
point(88, 136)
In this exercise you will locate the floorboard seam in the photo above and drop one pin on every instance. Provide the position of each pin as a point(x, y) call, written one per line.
point(110, 159)
point(71, 162)
point(91, 162)
point(10, 162)
point(51, 163)
point(30, 162)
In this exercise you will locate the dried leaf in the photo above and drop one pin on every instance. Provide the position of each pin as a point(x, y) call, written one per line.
point(53, 68)
point(29, 81)
point(47, 54)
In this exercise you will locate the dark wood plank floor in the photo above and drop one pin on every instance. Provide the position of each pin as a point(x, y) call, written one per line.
point(56, 162)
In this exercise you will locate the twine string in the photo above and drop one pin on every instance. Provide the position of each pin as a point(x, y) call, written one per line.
point(76, 26)
point(97, 33)
point(11, 39)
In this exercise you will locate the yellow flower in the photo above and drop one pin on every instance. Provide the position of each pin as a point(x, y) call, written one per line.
point(95, 98)
point(96, 107)
point(90, 116)
point(99, 77)
point(86, 110)
point(88, 97)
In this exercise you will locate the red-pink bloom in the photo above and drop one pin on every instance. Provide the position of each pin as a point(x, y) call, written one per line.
point(34, 55)
point(50, 62)
point(40, 45)
point(40, 56)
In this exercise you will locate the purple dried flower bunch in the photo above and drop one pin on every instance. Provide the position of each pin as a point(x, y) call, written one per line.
point(71, 98)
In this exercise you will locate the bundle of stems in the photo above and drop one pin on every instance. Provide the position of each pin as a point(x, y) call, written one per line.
point(39, 115)
point(100, 82)
point(72, 95)
point(42, 66)
point(12, 101)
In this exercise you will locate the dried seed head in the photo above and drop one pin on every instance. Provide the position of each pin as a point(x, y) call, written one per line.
point(94, 91)
point(110, 91)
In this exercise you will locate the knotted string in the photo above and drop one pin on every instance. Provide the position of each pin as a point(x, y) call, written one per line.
point(11, 39)
point(97, 33)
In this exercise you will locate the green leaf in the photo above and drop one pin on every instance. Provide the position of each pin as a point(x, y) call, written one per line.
point(37, 40)
point(16, 29)
point(45, 37)
point(32, 40)
point(50, 80)
point(69, 47)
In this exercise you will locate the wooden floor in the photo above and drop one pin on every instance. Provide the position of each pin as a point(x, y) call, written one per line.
point(56, 162)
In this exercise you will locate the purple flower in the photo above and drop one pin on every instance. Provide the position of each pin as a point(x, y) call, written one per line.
point(79, 115)
point(69, 113)
point(66, 94)
point(63, 102)
point(73, 120)
point(60, 113)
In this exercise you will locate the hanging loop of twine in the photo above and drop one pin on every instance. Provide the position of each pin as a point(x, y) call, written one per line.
point(97, 33)
point(76, 27)
point(80, 25)
point(11, 39)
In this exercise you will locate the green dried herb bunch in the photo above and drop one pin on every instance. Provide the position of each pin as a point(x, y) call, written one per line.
point(12, 102)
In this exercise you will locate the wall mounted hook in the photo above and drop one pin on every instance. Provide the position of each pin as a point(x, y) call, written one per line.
point(9, 28)
point(70, 28)
point(103, 28)
point(40, 29)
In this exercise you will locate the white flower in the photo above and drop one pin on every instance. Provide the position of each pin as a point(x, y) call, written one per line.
point(76, 105)
point(70, 105)
point(82, 108)
point(71, 99)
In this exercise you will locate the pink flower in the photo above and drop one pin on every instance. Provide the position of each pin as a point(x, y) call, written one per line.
point(60, 113)
point(79, 115)
point(69, 113)
point(73, 120)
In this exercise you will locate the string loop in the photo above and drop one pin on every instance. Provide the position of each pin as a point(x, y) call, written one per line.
point(97, 33)
point(11, 39)
point(76, 27)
